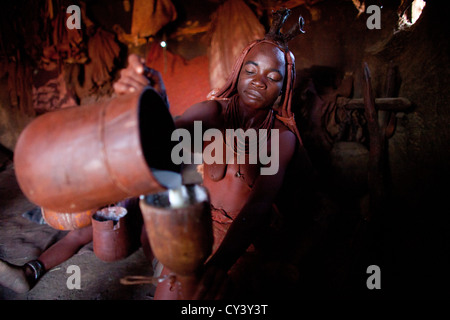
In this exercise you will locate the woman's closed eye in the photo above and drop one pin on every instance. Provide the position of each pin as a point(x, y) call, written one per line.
point(274, 77)
point(250, 71)
point(251, 68)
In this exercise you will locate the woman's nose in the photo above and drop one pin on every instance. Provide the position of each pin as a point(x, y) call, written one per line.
point(258, 82)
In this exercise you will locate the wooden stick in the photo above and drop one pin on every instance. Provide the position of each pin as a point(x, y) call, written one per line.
point(376, 150)
point(388, 104)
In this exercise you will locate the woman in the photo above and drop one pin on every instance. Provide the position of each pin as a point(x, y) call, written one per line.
point(242, 199)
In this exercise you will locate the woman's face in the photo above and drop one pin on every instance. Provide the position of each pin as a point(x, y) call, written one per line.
point(262, 76)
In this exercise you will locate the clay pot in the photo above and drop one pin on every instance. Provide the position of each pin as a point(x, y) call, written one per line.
point(79, 158)
point(111, 234)
point(67, 221)
point(180, 235)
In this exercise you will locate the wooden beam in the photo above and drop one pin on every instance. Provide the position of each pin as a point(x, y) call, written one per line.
point(387, 104)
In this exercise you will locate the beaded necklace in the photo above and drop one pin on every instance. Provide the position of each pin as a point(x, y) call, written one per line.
point(234, 121)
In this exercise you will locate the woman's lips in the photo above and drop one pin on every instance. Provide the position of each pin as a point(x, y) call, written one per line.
point(253, 94)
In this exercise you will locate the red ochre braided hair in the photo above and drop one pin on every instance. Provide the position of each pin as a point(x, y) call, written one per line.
point(274, 37)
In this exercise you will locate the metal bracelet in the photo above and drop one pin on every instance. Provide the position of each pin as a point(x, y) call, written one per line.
point(38, 268)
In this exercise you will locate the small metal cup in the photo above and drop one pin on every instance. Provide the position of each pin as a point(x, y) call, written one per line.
point(111, 234)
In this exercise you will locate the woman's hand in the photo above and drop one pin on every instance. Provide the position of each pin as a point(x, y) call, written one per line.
point(136, 76)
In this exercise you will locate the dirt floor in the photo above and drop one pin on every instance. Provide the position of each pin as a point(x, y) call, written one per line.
point(412, 252)
point(22, 240)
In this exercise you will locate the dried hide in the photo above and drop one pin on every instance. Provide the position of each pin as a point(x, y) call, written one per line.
point(69, 43)
point(19, 84)
point(50, 92)
point(150, 16)
point(234, 26)
point(103, 51)
point(96, 75)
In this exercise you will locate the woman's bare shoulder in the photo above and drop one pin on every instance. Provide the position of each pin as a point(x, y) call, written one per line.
point(284, 131)
point(212, 107)
point(210, 112)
